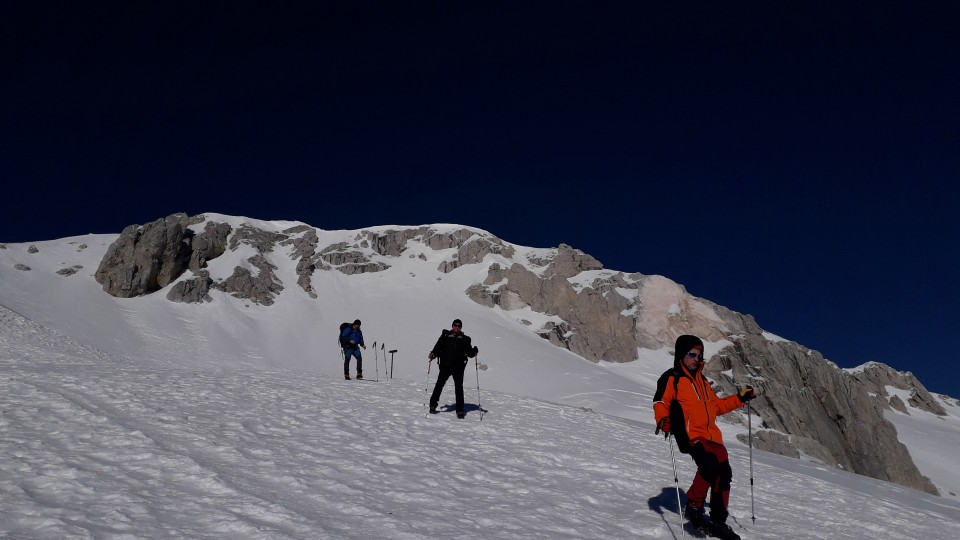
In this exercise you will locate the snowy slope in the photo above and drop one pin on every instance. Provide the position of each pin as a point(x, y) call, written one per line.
point(98, 446)
point(403, 308)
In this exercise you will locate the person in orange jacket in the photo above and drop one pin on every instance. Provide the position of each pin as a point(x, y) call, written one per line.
point(686, 406)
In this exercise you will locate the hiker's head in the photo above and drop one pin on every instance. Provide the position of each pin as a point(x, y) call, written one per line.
point(685, 346)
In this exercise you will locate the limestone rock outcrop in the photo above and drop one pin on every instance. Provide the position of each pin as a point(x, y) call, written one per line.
point(208, 245)
point(260, 288)
point(608, 316)
point(878, 378)
point(349, 260)
point(472, 250)
point(145, 258)
point(390, 243)
point(193, 290)
point(304, 251)
point(813, 407)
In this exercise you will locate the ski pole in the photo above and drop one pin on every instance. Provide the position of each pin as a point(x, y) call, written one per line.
point(676, 481)
point(426, 388)
point(753, 513)
point(376, 360)
point(477, 366)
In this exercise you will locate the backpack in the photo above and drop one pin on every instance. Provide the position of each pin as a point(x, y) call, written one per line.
point(340, 339)
point(678, 424)
point(443, 334)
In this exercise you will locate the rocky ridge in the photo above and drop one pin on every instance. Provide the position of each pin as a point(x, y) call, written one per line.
point(808, 406)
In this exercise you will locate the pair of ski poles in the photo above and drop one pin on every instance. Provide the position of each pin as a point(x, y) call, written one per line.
point(676, 477)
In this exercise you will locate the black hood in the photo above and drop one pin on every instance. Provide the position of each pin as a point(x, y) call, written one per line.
point(683, 346)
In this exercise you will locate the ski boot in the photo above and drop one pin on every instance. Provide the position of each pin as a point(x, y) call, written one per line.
point(722, 531)
point(696, 516)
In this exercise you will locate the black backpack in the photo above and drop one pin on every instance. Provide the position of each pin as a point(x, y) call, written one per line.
point(678, 424)
point(340, 339)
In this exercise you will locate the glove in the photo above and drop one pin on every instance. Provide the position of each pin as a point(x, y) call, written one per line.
point(664, 426)
point(476, 351)
point(431, 355)
point(746, 394)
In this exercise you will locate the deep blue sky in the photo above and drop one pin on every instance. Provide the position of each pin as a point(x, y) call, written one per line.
point(798, 163)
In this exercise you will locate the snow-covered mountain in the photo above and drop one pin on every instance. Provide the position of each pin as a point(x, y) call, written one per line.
point(125, 361)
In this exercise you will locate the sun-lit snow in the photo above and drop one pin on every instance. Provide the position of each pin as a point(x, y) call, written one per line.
point(142, 418)
point(99, 446)
point(773, 337)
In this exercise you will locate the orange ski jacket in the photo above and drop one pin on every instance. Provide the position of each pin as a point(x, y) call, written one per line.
point(699, 402)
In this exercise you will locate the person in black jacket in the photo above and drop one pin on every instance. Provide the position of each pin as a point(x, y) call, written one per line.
point(452, 349)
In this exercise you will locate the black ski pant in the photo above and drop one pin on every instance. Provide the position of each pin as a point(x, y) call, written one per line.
point(713, 473)
point(446, 372)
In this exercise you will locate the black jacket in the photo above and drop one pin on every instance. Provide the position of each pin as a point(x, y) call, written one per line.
point(453, 349)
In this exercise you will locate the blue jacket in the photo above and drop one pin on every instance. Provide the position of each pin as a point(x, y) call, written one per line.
point(350, 334)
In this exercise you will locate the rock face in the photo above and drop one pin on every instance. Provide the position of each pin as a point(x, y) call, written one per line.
point(146, 258)
point(809, 406)
point(592, 325)
point(345, 258)
point(878, 378)
point(260, 288)
point(471, 248)
point(208, 245)
point(194, 290)
point(304, 250)
point(607, 315)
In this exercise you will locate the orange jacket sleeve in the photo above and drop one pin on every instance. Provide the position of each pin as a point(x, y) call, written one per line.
point(727, 404)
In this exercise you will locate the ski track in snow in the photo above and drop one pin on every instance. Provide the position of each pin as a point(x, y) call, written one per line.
point(95, 446)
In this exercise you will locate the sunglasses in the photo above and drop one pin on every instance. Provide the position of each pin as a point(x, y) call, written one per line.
point(698, 356)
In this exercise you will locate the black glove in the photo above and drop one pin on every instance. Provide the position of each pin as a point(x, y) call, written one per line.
point(664, 426)
point(476, 351)
point(746, 394)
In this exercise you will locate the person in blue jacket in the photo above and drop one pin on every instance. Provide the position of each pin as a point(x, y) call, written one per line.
point(351, 339)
